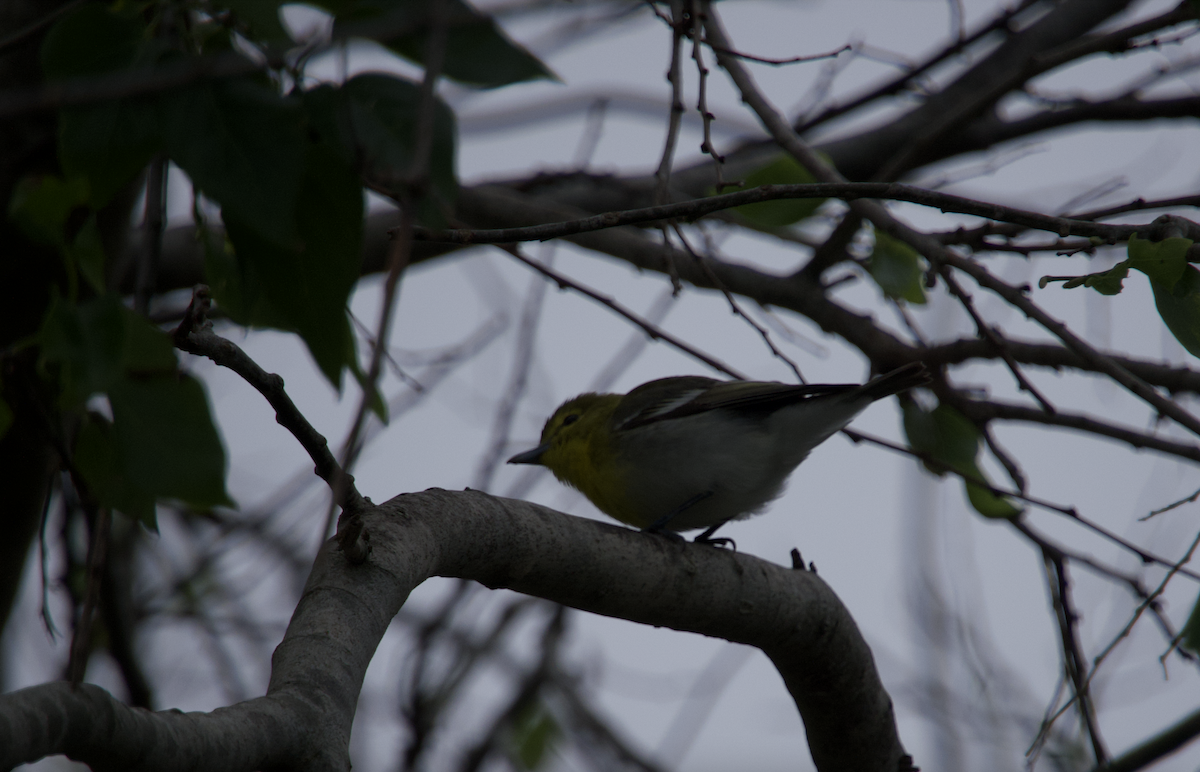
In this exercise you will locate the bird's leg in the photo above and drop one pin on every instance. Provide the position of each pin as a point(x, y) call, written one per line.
point(659, 526)
point(720, 541)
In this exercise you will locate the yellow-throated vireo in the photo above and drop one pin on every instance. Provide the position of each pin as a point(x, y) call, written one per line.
point(688, 452)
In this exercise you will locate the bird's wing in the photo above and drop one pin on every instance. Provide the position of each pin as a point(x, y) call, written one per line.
point(669, 398)
point(655, 399)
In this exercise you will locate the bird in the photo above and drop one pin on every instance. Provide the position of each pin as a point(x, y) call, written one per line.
point(688, 452)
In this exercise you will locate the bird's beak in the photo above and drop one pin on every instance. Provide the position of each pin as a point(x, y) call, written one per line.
point(530, 456)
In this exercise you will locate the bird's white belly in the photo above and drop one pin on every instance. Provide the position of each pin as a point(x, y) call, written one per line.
point(738, 474)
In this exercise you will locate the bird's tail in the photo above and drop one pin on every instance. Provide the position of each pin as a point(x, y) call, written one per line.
point(903, 378)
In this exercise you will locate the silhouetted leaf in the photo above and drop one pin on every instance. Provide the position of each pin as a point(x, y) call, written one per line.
point(88, 40)
point(534, 734)
point(166, 441)
point(6, 418)
point(897, 269)
point(306, 286)
point(98, 343)
point(242, 145)
point(1180, 308)
point(478, 52)
point(262, 16)
point(98, 458)
point(107, 143)
point(381, 113)
point(41, 205)
point(1190, 634)
point(952, 443)
point(784, 170)
point(1163, 261)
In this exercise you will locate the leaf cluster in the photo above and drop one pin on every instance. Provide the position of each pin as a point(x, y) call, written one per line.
point(285, 160)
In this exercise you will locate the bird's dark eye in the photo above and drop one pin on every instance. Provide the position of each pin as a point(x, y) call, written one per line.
point(570, 419)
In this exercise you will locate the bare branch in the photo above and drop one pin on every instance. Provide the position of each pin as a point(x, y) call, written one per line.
point(195, 336)
point(847, 191)
point(654, 332)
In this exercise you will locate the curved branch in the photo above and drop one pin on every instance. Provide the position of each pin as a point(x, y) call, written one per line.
point(195, 336)
point(304, 721)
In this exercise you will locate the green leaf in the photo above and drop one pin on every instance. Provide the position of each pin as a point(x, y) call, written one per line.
point(1180, 308)
point(165, 439)
point(243, 145)
point(381, 115)
point(306, 287)
point(262, 16)
point(1190, 634)
point(534, 735)
point(89, 40)
point(987, 503)
point(952, 442)
point(1109, 282)
point(87, 252)
point(108, 143)
point(97, 456)
point(784, 170)
point(161, 442)
point(478, 52)
point(41, 205)
point(1163, 261)
point(898, 269)
point(6, 418)
point(98, 343)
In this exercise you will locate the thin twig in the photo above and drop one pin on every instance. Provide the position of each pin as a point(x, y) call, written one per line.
point(400, 248)
point(898, 84)
point(1145, 604)
point(195, 336)
point(523, 361)
point(777, 62)
point(81, 640)
point(674, 77)
point(1071, 512)
point(706, 116)
point(1139, 204)
point(737, 309)
point(995, 338)
point(1171, 506)
point(1148, 603)
point(1007, 461)
point(936, 252)
point(1106, 365)
point(654, 332)
point(1073, 658)
point(155, 221)
point(44, 559)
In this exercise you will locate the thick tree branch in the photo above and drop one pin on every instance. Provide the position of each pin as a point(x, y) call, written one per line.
point(303, 722)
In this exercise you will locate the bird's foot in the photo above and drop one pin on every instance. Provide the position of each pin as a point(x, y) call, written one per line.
point(719, 542)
